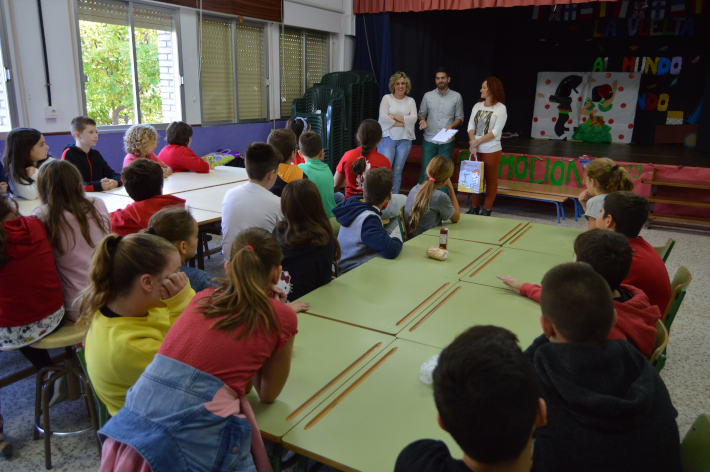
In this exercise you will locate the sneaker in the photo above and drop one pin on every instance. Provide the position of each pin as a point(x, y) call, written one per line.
point(5, 447)
point(57, 391)
point(473, 211)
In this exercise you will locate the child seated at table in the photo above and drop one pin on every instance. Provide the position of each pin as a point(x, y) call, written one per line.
point(135, 294)
point(177, 225)
point(306, 236)
point(354, 163)
point(190, 404)
point(609, 254)
point(251, 205)
point(626, 213)
point(427, 206)
point(487, 399)
point(139, 142)
point(362, 235)
point(607, 407)
point(602, 177)
point(177, 154)
point(285, 142)
point(311, 150)
point(143, 180)
point(96, 174)
point(75, 225)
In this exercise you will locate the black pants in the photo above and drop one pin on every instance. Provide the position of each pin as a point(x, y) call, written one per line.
point(38, 357)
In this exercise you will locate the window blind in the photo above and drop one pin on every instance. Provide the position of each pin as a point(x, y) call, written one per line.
point(151, 19)
point(217, 71)
point(103, 12)
point(317, 57)
point(291, 49)
point(251, 67)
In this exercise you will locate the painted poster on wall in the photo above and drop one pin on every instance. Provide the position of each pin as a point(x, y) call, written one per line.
point(597, 107)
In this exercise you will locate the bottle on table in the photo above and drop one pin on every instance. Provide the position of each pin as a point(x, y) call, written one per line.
point(443, 238)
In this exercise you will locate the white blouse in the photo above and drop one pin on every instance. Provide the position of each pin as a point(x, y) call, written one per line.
point(406, 108)
point(26, 191)
point(488, 119)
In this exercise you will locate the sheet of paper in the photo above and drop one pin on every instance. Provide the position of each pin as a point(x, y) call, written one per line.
point(443, 136)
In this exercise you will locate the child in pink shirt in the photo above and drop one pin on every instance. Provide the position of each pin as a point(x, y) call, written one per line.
point(141, 141)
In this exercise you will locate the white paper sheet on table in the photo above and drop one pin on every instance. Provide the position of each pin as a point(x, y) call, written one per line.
point(444, 136)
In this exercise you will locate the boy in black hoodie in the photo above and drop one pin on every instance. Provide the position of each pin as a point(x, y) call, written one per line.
point(607, 407)
point(95, 172)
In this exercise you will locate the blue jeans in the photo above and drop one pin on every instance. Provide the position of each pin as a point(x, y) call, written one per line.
point(339, 198)
point(396, 151)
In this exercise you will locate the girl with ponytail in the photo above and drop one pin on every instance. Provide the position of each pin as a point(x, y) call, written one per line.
point(427, 206)
point(229, 340)
point(602, 177)
point(135, 294)
point(354, 163)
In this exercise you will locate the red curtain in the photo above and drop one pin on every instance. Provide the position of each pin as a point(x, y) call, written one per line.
point(380, 6)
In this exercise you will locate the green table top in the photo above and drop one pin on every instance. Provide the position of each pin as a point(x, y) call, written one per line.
point(377, 296)
point(463, 255)
point(526, 266)
point(369, 427)
point(547, 239)
point(469, 305)
point(481, 229)
point(323, 350)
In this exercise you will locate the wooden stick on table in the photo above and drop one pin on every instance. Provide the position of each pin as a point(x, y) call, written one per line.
point(521, 234)
point(340, 398)
point(298, 410)
point(506, 234)
point(422, 304)
point(475, 260)
point(424, 318)
point(484, 265)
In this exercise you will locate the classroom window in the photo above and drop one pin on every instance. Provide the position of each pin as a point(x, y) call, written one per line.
point(233, 71)
point(305, 58)
point(130, 63)
point(6, 92)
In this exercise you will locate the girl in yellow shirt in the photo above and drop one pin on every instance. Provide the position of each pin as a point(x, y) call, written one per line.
point(135, 293)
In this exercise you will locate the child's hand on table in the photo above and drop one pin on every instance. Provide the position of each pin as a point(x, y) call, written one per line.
point(511, 282)
point(166, 172)
point(278, 295)
point(299, 307)
point(172, 285)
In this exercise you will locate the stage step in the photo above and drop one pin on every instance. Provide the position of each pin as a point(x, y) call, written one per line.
point(677, 183)
point(677, 219)
point(677, 201)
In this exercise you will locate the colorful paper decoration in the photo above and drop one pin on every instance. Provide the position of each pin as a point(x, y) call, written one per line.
point(556, 13)
point(539, 12)
point(640, 10)
point(658, 9)
point(621, 9)
point(571, 12)
point(698, 7)
point(674, 118)
point(677, 8)
point(586, 11)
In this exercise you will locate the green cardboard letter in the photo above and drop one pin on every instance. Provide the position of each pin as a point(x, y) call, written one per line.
point(509, 161)
point(532, 171)
point(555, 166)
point(521, 174)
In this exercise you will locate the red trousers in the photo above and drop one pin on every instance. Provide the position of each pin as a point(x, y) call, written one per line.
point(491, 163)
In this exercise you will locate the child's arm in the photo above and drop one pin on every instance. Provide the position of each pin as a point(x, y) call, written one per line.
point(166, 168)
point(456, 215)
point(193, 162)
point(375, 236)
point(531, 291)
point(338, 180)
point(108, 173)
point(271, 378)
point(176, 293)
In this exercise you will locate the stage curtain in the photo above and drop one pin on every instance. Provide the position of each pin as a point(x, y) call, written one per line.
point(373, 48)
point(380, 6)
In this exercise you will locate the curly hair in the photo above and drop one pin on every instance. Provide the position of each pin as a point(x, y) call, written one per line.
point(495, 88)
point(137, 138)
point(400, 75)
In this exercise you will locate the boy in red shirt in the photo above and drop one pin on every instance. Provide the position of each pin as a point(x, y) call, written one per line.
point(143, 180)
point(177, 154)
point(625, 213)
point(610, 256)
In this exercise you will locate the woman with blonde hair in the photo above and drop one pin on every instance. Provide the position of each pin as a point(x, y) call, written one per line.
point(427, 206)
point(398, 114)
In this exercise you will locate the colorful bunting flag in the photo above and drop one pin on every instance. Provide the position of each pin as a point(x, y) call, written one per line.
point(621, 8)
point(658, 9)
point(640, 10)
point(586, 11)
point(677, 8)
point(698, 7)
point(539, 12)
point(571, 12)
point(605, 9)
point(556, 13)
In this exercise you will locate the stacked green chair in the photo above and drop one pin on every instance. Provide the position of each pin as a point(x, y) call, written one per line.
point(329, 101)
point(695, 448)
point(370, 95)
point(350, 83)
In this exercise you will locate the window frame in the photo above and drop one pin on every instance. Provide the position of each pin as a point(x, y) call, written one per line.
point(304, 45)
point(177, 53)
point(9, 75)
point(232, 20)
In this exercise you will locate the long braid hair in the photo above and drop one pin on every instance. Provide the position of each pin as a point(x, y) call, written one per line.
point(440, 169)
point(369, 135)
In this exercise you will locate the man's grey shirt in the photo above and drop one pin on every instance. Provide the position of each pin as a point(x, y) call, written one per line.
point(440, 111)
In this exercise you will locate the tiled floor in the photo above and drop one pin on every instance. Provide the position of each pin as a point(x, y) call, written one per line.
point(687, 371)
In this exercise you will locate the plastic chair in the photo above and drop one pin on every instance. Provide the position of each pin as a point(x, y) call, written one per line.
point(679, 284)
point(695, 448)
point(103, 410)
point(66, 336)
point(336, 227)
point(665, 251)
point(658, 358)
point(350, 83)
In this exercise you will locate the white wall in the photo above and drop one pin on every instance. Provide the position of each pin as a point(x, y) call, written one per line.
point(28, 77)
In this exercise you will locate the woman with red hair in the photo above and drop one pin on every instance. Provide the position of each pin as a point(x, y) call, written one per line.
point(484, 131)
